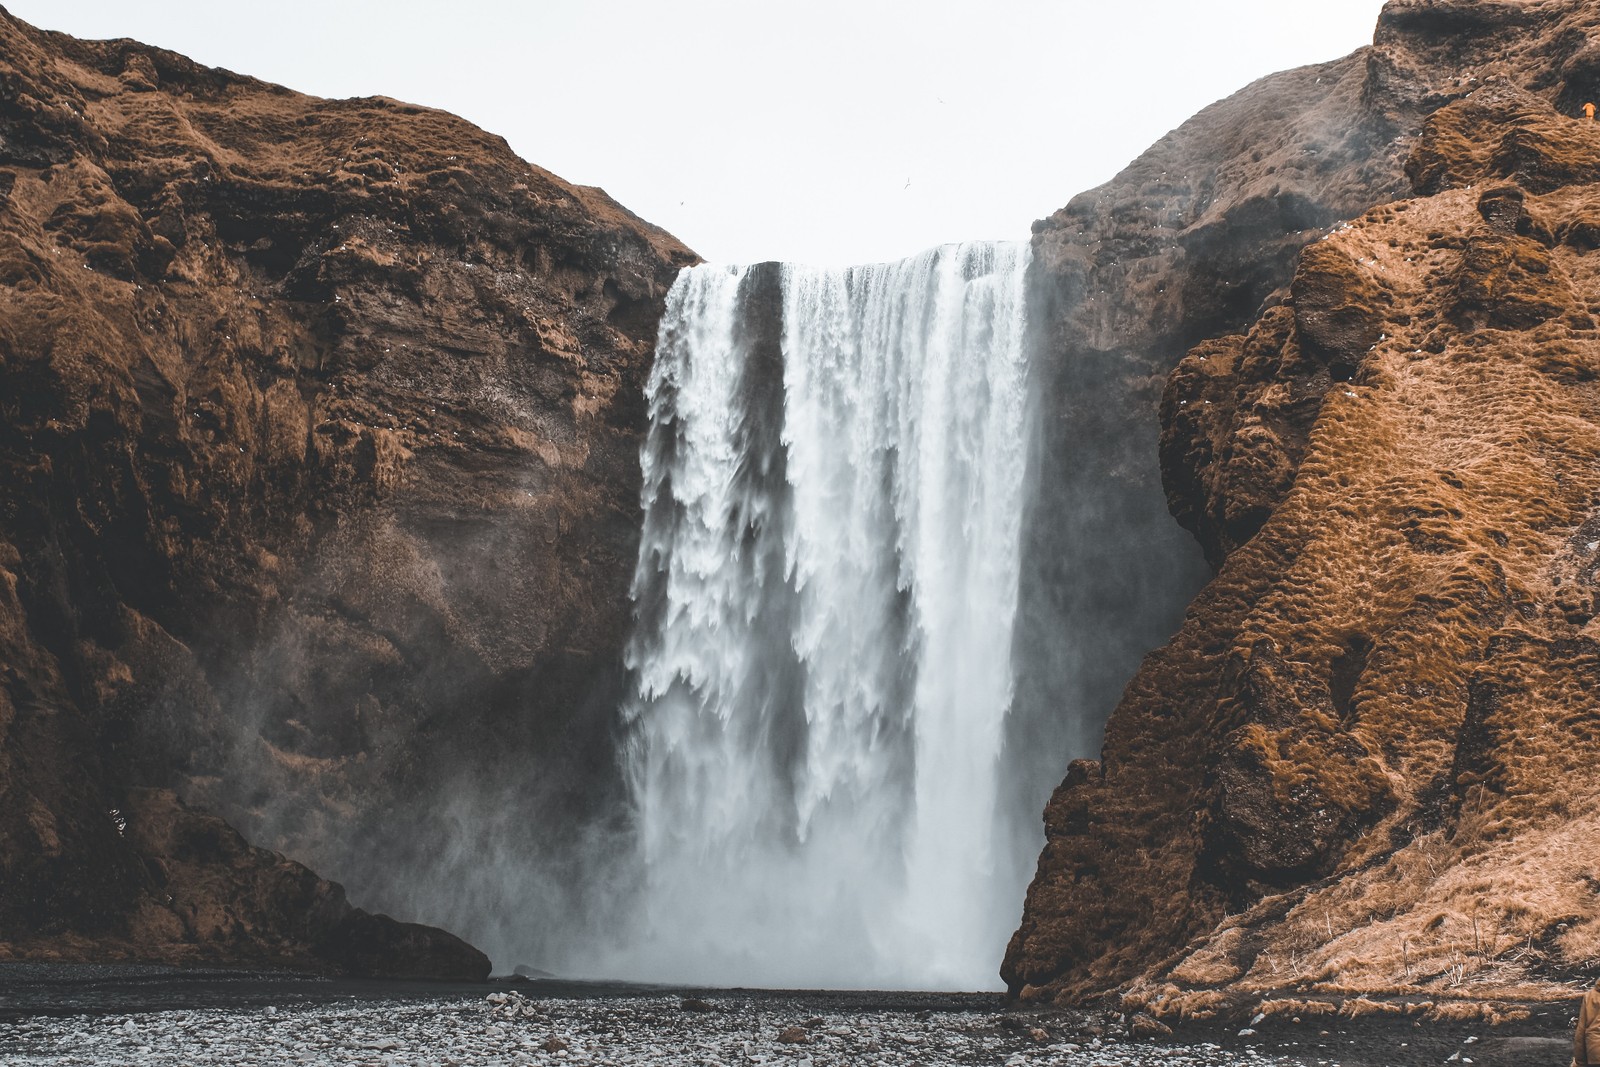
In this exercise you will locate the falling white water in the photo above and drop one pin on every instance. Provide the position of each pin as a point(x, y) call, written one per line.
point(826, 589)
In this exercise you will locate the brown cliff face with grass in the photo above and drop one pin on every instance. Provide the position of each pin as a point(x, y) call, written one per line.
point(318, 481)
point(1364, 762)
point(1186, 244)
point(318, 492)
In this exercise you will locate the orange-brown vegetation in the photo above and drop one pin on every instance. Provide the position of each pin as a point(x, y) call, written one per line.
point(319, 425)
point(1365, 763)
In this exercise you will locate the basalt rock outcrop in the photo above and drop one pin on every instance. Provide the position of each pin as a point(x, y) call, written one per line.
point(1362, 764)
point(215, 897)
point(319, 427)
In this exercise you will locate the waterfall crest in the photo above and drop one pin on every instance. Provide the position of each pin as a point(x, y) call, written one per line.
point(826, 588)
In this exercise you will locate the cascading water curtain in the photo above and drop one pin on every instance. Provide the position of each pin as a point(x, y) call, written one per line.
point(826, 590)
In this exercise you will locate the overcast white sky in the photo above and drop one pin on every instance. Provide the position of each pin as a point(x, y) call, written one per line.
point(827, 131)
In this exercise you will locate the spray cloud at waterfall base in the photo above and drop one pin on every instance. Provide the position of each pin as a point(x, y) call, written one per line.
point(826, 592)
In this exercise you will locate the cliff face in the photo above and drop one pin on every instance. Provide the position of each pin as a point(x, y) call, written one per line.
point(319, 428)
point(1360, 763)
point(1186, 244)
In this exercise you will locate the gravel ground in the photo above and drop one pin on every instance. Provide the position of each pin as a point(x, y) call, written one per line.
point(76, 1015)
point(508, 1029)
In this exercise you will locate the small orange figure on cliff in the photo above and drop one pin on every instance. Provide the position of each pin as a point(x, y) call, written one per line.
point(1588, 112)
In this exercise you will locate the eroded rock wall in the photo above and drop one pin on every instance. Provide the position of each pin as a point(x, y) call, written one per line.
point(1187, 243)
point(1358, 766)
point(319, 427)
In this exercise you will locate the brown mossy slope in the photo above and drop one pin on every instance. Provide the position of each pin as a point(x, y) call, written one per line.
point(1185, 244)
point(319, 428)
point(1361, 765)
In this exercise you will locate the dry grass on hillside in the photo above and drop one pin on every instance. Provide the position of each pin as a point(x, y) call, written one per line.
point(1444, 511)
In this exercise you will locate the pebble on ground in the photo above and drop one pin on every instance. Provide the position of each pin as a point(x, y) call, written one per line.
point(508, 1030)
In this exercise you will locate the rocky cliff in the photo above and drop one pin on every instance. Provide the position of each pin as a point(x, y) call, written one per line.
point(319, 427)
point(1361, 764)
point(1186, 244)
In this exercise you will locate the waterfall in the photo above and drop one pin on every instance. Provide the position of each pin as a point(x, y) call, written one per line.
point(826, 588)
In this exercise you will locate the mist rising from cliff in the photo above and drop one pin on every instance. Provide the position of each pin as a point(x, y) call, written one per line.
point(827, 584)
point(502, 820)
point(898, 561)
point(1105, 573)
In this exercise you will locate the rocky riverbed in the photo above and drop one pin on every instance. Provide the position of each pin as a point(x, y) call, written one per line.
point(506, 1029)
point(183, 1019)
